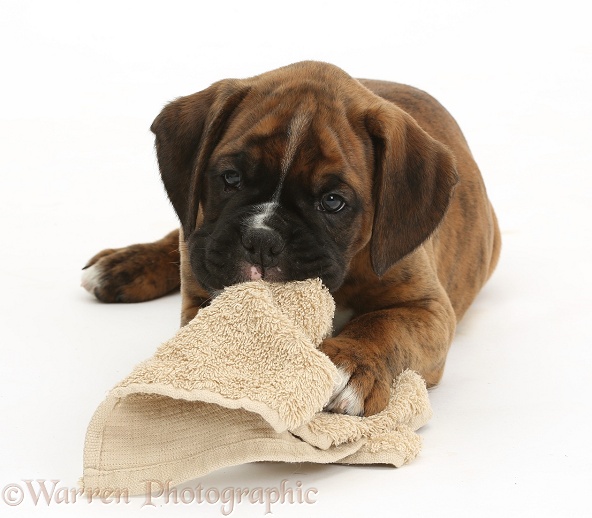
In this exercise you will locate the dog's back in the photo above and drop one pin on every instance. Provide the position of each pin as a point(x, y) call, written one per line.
point(467, 243)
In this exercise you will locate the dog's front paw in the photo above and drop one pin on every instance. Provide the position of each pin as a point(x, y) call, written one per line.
point(132, 274)
point(365, 380)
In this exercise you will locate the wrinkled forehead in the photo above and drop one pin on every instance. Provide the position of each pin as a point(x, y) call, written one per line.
point(295, 131)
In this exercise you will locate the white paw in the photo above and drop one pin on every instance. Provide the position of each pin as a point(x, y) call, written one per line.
point(345, 399)
point(91, 278)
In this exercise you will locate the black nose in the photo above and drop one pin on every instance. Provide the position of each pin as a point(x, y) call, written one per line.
point(262, 246)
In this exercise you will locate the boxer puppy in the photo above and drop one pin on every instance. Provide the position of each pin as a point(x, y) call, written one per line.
point(306, 172)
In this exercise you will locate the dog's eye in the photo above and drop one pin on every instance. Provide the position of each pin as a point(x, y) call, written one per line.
point(231, 178)
point(332, 202)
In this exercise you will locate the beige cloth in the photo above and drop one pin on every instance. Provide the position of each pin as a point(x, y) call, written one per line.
point(243, 382)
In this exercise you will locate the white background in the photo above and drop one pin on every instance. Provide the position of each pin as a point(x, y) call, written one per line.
point(80, 85)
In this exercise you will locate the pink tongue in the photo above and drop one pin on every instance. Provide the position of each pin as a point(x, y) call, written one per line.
point(255, 273)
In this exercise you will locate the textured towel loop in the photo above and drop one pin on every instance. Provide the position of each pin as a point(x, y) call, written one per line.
point(242, 382)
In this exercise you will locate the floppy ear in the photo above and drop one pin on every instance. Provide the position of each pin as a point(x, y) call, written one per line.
point(414, 179)
point(187, 131)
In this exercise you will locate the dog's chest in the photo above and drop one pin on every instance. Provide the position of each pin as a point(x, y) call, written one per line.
point(342, 316)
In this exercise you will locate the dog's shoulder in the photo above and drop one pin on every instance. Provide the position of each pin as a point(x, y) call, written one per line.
point(423, 107)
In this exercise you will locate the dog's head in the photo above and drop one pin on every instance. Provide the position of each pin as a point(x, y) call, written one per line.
point(290, 174)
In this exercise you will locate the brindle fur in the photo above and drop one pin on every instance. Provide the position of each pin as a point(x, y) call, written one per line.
point(138, 273)
point(416, 256)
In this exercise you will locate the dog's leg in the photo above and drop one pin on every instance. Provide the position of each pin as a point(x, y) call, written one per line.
point(135, 273)
point(375, 347)
point(410, 327)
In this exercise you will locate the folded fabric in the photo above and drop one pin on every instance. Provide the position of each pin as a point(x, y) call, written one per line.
point(244, 382)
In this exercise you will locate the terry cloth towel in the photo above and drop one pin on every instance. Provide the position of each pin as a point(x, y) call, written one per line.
point(244, 382)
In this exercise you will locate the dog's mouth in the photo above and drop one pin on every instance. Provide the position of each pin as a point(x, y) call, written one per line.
point(219, 258)
point(256, 272)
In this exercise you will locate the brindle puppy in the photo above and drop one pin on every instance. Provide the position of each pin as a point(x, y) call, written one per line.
point(306, 172)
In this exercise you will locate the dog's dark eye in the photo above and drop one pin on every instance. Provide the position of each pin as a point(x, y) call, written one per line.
point(231, 178)
point(332, 202)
